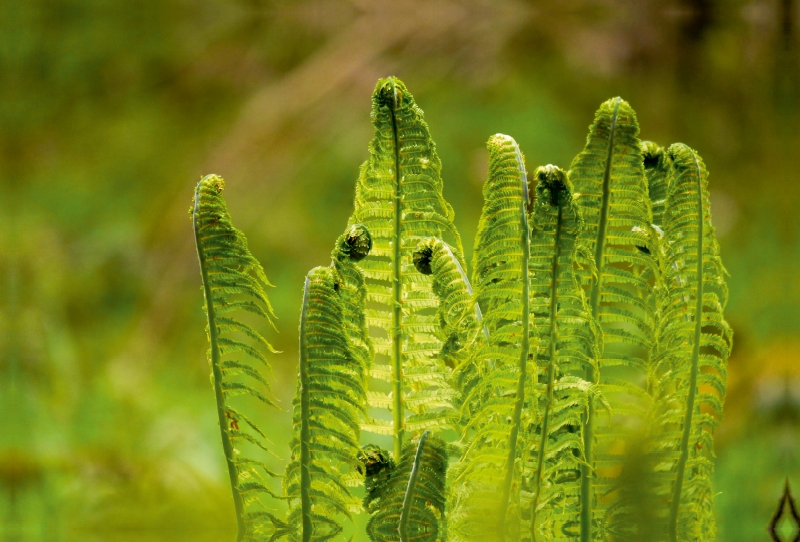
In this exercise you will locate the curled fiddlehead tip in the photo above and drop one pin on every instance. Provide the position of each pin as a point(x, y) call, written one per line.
point(423, 255)
point(355, 243)
point(389, 92)
point(213, 181)
point(652, 154)
point(553, 185)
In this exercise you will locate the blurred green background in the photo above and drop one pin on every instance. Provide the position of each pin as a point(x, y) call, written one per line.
point(109, 115)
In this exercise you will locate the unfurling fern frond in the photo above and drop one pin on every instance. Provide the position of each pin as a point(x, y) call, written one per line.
point(460, 318)
point(399, 198)
point(613, 195)
point(691, 356)
point(331, 396)
point(412, 507)
point(498, 405)
point(233, 284)
point(656, 169)
point(569, 347)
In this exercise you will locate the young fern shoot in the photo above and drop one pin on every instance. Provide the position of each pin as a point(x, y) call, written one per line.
point(399, 198)
point(490, 464)
point(569, 347)
point(233, 284)
point(331, 395)
point(613, 195)
point(693, 347)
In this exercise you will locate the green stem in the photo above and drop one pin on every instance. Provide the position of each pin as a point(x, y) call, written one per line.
point(551, 372)
point(398, 417)
point(213, 337)
point(698, 324)
point(408, 499)
point(305, 419)
point(523, 357)
point(587, 470)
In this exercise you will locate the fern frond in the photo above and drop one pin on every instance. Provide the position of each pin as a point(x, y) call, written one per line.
point(613, 195)
point(328, 405)
point(413, 503)
point(497, 405)
point(233, 282)
point(656, 169)
point(460, 318)
point(691, 355)
point(569, 347)
point(399, 198)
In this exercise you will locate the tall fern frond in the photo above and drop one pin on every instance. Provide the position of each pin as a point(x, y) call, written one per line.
point(485, 499)
point(399, 198)
point(656, 169)
point(613, 195)
point(691, 356)
point(569, 347)
point(233, 284)
point(413, 506)
point(330, 398)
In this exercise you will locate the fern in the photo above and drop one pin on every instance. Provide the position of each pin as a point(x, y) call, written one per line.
point(609, 176)
point(413, 504)
point(399, 198)
point(694, 342)
point(497, 404)
point(233, 284)
point(570, 344)
point(331, 397)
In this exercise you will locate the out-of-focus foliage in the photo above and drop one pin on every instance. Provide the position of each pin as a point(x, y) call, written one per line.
point(110, 112)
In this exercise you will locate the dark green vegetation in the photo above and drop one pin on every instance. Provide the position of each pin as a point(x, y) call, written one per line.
point(592, 343)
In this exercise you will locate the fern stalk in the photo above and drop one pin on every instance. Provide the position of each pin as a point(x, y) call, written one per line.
point(398, 417)
point(698, 325)
point(305, 417)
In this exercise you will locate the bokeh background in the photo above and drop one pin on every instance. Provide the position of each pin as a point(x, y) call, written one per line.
point(111, 111)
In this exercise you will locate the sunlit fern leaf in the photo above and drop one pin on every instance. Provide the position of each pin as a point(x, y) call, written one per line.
point(613, 195)
point(497, 405)
point(460, 318)
point(569, 345)
point(414, 494)
point(656, 169)
point(233, 284)
point(691, 356)
point(328, 406)
point(399, 198)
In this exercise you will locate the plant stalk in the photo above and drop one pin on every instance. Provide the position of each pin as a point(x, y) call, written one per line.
point(213, 337)
point(398, 416)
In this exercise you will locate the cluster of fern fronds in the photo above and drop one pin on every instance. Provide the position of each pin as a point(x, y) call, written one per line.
point(567, 390)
